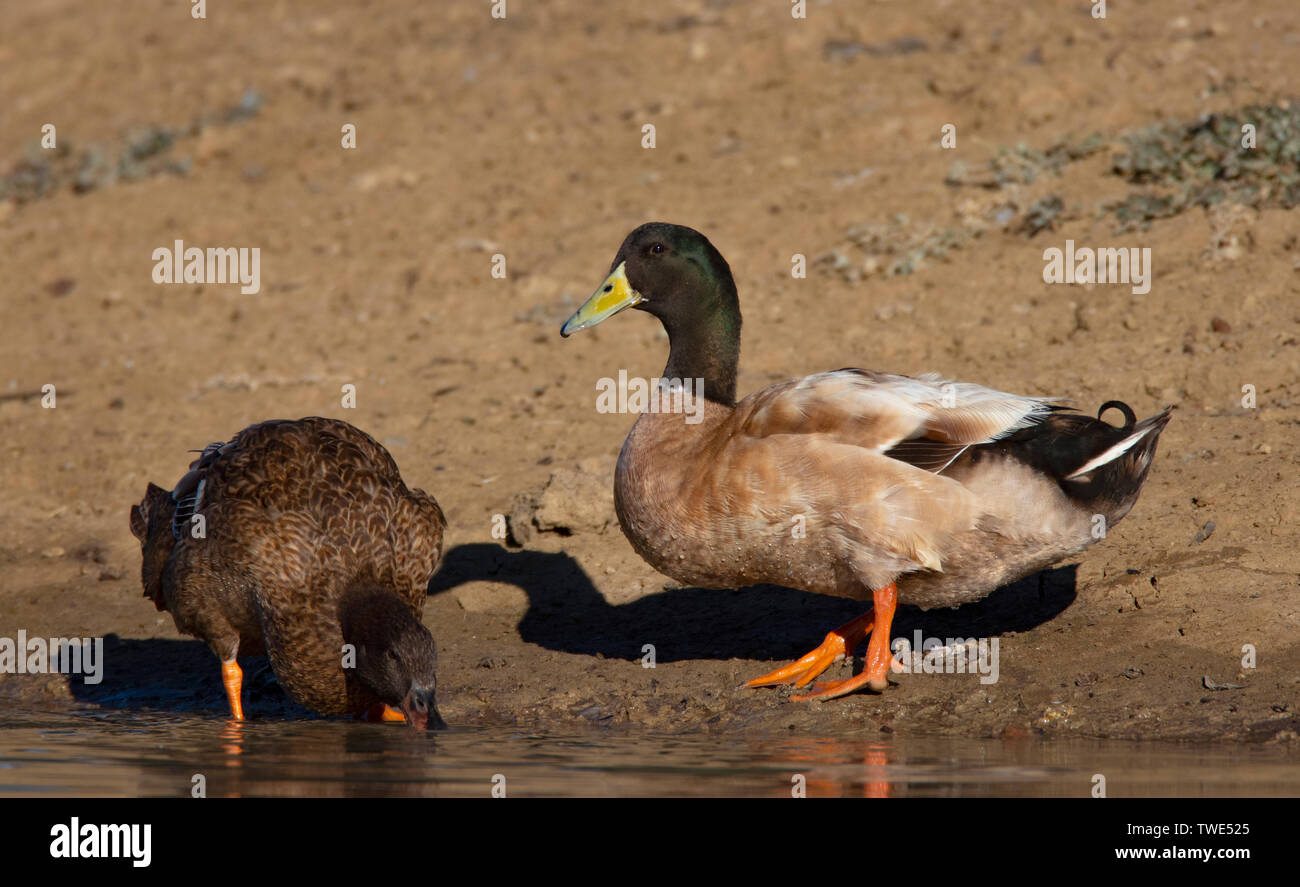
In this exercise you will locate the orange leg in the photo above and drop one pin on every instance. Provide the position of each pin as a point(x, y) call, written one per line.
point(382, 712)
point(233, 678)
point(878, 656)
point(838, 644)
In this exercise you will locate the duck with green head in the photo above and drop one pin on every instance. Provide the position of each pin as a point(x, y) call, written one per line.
point(855, 483)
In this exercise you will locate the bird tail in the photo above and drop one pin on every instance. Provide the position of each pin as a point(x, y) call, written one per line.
point(1111, 474)
point(1100, 466)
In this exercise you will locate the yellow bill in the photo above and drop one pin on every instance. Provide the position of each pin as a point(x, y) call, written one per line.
point(613, 296)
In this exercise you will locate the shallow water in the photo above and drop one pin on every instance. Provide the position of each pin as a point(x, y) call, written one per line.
point(119, 754)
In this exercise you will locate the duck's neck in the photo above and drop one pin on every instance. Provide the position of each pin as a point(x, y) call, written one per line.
point(371, 616)
point(707, 346)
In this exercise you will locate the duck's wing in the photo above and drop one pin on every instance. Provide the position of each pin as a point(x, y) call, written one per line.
point(319, 490)
point(925, 421)
point(864, 453)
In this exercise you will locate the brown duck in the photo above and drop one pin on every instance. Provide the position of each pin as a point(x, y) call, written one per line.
point(854, 483)
point(299, 539)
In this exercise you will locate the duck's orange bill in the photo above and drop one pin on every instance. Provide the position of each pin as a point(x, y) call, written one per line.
point(382, 712)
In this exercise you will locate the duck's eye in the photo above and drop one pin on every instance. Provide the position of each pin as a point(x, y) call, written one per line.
point(656, 248)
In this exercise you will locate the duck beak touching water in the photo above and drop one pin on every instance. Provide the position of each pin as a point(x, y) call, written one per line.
point(611, 297)
point(396, 661)
point(419, 710)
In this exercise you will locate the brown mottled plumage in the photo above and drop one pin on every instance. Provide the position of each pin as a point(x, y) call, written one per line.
point(293, 539)
point(853, 483)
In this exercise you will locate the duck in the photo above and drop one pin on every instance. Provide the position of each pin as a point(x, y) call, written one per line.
point(298, 539)
point(869, 485)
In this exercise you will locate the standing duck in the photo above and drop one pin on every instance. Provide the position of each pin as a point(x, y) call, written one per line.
point(299, 539)
point(854, 483)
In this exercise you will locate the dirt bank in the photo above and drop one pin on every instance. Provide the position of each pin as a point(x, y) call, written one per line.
point(774, 136)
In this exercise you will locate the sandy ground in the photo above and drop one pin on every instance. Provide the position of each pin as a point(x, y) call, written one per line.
point(523, 137)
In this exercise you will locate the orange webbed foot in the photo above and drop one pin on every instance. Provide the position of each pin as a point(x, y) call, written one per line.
point(838, 644)
point(841, 642)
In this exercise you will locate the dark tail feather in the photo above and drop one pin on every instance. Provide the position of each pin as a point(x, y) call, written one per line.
point(1110, 480)
point(1099, 465)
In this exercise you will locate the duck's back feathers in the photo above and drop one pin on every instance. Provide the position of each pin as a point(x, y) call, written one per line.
point(920, 417)
point(930, 423)
point(315, 496)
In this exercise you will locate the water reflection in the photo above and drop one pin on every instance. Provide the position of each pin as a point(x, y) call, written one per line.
point(131, 753)
point(832, 768)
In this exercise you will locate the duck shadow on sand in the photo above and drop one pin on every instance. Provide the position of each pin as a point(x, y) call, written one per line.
point(180, 676)
point(566, 613)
